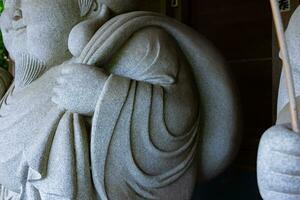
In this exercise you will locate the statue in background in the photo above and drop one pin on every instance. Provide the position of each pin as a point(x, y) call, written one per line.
point(279, 150)
point(110, 104)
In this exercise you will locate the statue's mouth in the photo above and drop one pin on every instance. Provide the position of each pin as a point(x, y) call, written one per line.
point(17, 30)
point(20, 29)
point(18, 26)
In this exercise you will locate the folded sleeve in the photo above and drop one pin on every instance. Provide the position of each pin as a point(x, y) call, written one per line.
point(149, 56)
point(134, 154)
point(139, 147)
point(293, 43)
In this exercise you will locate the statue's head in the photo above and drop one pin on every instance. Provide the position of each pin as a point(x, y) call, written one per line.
point(42, 28)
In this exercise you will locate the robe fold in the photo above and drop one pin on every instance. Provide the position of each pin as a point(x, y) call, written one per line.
point(127, 148)
point(131, 150)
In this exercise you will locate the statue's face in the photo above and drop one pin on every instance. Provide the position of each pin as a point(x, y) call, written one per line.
point(39, 28)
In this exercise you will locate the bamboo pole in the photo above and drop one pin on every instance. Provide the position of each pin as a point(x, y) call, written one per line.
point(286, 64)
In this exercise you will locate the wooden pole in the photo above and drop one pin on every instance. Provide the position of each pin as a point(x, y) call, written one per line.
point(286, 64)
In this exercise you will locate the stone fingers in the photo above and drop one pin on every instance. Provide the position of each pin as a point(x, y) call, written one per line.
point(278, 165)
point(285, 163)
point(274, 195)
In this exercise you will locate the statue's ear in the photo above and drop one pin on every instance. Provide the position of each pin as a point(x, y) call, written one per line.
point(94, 16)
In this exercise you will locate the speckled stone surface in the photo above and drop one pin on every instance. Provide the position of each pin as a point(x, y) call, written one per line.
point(110, 105)
point(278, 165)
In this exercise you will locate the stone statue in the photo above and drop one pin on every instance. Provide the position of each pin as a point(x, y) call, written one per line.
point(279, 150)
point(110, 104)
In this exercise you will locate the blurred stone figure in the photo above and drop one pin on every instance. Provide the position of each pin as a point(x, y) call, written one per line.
point(279, 150)
point(110, 104)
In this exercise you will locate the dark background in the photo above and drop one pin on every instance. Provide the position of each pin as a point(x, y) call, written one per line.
point(242, 31)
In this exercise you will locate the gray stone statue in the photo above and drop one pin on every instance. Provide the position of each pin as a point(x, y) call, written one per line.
point(110, 104)
point(279, 151)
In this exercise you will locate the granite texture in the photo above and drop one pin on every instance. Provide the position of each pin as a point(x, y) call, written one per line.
point(112, 106)
point(278, 165)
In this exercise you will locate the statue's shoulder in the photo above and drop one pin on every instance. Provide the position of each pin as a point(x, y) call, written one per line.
point(149, 37)
point(149, 46)
point(152, 33)
point(295, 16)
point(293, 38)
point(293, 29)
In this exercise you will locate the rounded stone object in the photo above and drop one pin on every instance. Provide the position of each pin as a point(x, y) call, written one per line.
point(278, 165)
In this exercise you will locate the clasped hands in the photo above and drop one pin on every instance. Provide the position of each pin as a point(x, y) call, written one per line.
point(278, 164)
point(78, 88)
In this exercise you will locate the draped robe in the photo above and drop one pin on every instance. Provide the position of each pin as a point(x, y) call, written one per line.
point(47, 152)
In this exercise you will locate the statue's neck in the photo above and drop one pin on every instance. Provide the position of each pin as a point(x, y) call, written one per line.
point(27, 70)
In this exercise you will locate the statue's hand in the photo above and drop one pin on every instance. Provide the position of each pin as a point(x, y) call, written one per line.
point(78, 88)
point(278, 164)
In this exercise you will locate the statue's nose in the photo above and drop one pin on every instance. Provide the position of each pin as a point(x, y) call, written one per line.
point(11, 18)
point(17, 15)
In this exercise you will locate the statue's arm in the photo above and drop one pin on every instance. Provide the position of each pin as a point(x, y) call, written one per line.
point(160, 62)
point(278, 164)
point(293, 44)
point(171, 71)
point(5, 80)
point(153, 56)
point(165, 107)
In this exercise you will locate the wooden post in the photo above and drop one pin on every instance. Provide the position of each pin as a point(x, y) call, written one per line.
point(286, 64)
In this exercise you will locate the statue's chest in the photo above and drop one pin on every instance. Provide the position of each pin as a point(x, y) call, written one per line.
point(21, 115)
